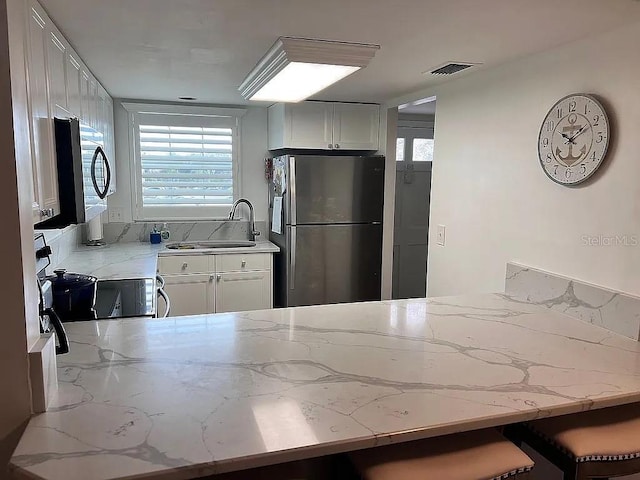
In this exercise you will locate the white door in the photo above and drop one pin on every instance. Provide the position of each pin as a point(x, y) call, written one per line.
point(411, 226)
point(56, 66)
point(308, 125)
point(190, 294)
point(94, 101)
point(45, 170)
point(74, 75)
point(237, 292)
point(356, 126)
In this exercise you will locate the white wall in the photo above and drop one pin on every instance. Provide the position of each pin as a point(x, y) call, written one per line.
point(493, 197)
point(20, 325)
point(253, 149)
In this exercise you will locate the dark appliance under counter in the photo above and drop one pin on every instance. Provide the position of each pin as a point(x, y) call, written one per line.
point(125, 298)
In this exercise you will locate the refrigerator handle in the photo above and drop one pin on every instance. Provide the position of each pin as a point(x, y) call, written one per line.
point(292, 189)
point(292, 260)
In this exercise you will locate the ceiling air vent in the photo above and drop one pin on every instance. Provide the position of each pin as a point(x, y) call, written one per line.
point(451, 68)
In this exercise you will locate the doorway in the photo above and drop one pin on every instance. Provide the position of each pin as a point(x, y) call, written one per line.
point(414, 160)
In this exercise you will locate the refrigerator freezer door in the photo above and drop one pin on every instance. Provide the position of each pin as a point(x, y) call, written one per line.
point(333, 264)
point(327, 190)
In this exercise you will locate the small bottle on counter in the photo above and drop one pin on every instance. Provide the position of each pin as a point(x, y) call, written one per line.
point(155, 236)
point(165, 234)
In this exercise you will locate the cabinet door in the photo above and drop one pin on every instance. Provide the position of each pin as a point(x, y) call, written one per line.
point(45, 170)
point(308, 125)
point(94, 101)
point(74, 75)
point(238, 292)
point(190, 294)
point(85, 87)
point(356, 126)
point(56, 66)
point(110, 142)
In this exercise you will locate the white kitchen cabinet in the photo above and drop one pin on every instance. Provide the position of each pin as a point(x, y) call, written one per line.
point(356, 126)
point(243, 291)
point(45, 170)
point(200, 284)
point(324, 126)
point(56, 67)
point(59, 85)
point(85, 86)
point(94, 101)
point(190, 294)
point(74, 75)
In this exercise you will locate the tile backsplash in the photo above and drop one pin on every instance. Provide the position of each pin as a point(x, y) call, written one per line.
point(616, 311)
point(183, 231)
point(63, 242)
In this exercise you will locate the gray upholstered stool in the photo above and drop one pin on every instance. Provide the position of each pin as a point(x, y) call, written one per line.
point(599, 444)
point(479, 455)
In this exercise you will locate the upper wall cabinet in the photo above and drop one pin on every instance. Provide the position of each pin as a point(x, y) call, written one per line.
point(74, 74)
point(45, 171)
point(59, 85)
point(56, 65)
point(324, 126)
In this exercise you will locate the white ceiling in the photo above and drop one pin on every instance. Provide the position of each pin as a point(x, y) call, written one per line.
point(163, 49)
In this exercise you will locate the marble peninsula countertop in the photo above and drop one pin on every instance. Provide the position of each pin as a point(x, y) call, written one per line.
point(138, 260)
point(185, 397)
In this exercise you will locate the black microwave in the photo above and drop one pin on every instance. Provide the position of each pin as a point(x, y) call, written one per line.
point(84, 173)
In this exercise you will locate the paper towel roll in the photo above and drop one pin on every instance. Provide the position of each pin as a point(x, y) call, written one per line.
point(94, 230)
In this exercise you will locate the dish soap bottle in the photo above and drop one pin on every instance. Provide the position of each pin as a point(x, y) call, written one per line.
point(165, 234)
point(154, 236)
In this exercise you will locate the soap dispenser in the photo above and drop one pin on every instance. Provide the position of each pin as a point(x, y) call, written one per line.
point(165, 234)
point(154, 236)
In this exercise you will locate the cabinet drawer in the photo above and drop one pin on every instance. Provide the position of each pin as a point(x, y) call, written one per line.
point(184, 264)
point(243, 262)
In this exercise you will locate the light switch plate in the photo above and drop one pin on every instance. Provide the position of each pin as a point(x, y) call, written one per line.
point(441, 235)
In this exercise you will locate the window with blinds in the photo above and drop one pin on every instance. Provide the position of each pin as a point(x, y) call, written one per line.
point(186, 165)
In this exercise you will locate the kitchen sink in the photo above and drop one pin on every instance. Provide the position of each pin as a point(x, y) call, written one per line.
point(210, 244)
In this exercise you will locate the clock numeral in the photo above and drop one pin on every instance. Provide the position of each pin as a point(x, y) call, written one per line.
point(568, 173)
point(583, 168)
point(593, 156)
point(572, 106)
point(555, 169)
point(600, 138)
point(551, 125)
point(586, 108)
point(549, 158)
point(596, 120)
point(560, 113)
point(545, 142)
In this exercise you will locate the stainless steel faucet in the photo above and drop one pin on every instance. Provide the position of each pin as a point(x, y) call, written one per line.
point(252, 221)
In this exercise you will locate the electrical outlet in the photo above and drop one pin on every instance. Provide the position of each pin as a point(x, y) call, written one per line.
point(116, 214)
point(441, 235)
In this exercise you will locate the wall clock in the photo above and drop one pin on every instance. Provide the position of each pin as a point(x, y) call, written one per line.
point(574, 139)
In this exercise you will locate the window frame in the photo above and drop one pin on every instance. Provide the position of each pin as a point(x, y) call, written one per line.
point(229, 117)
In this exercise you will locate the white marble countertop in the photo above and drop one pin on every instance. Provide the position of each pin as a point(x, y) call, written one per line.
point(138, 260)
point(189, 396)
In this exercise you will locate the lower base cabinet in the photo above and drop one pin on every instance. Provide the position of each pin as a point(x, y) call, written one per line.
point(243, 291)
point(199, 285)
point(189, 294)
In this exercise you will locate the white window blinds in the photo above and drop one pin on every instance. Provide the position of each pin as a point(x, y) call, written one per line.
point(186, 165)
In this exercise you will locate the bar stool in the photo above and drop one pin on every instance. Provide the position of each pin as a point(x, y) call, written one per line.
point(599, 444)
point(478, 455)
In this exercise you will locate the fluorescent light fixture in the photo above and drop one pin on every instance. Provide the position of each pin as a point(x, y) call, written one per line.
point(297, 68)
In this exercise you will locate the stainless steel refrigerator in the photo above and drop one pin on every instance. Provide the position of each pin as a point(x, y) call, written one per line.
point(326, 217)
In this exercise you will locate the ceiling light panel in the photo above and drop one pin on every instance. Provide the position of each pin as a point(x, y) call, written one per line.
point(296, 68)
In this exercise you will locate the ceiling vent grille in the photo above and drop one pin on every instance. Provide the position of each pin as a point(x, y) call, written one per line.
point(451, 68)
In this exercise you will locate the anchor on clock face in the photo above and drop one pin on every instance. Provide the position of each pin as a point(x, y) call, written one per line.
point(570, 133)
